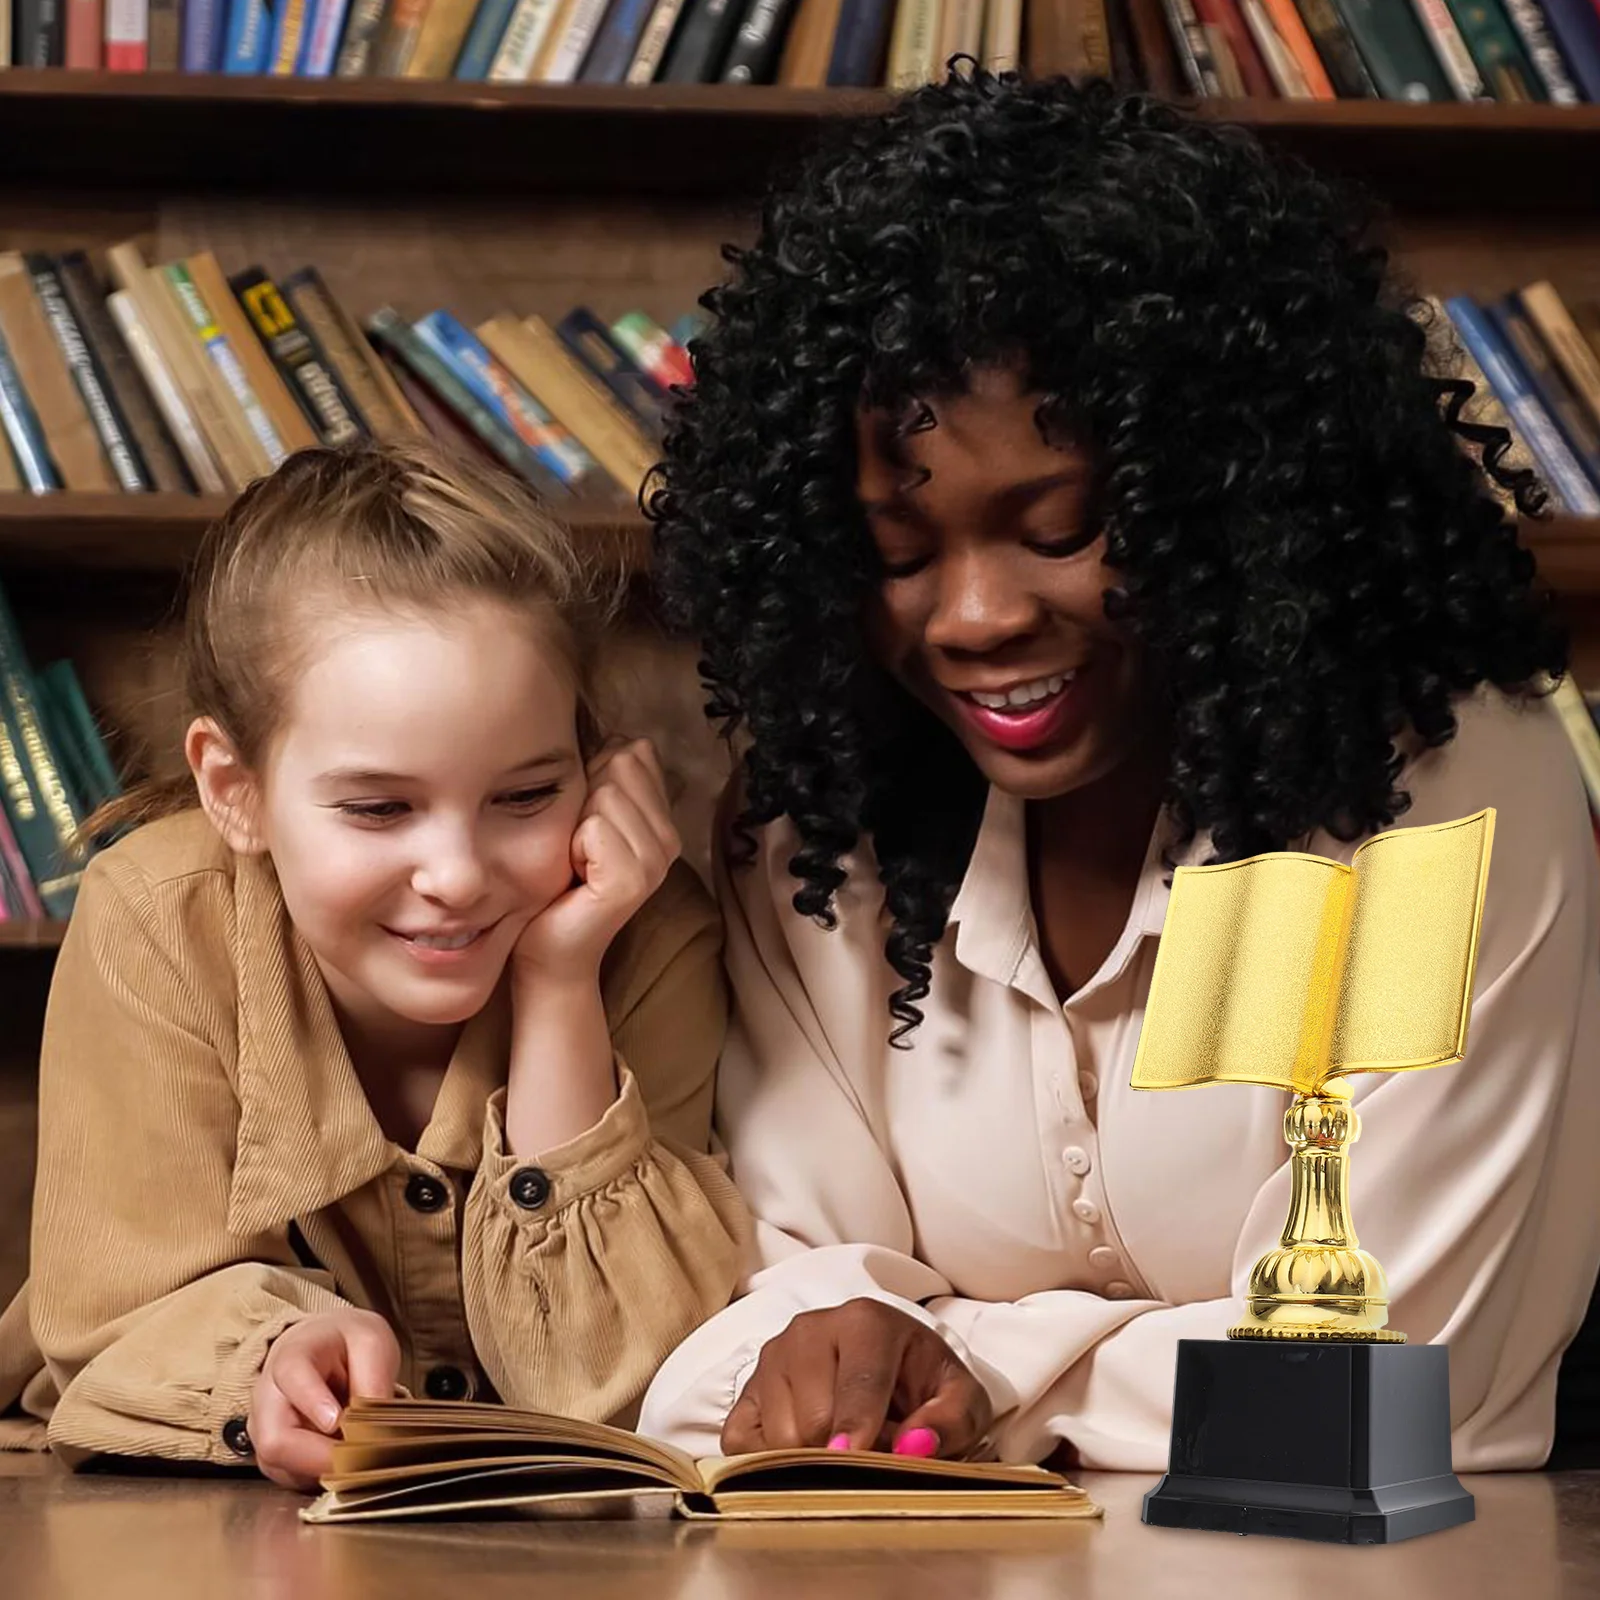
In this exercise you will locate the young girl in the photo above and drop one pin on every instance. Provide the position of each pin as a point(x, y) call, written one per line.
point(381, 1053)
point(1066, 491)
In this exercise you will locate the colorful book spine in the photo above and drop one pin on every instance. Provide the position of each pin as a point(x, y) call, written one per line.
point(391, 331)
point(464, 353)
point(127, 35)
point(1396, 52)
point(1193, 46)
point(306, 376)
point(753, 55)
point(1563, 407)
point(362, 31)
point(225, 359)
point(1497, 50)
point(321, 48)
point(205, 31)
point(1576, 26)
point(166, 31)
point(77, 735)
point(21, 424)
point(654, 350)
point(591, 341)
point(402, 26)
point(1504, 372)
point(84, 46)
point(564, 56)
point(249, 37)
point(697, 54)
point(613, 50)
point(22, 896)
point(523, 41)
point(89, 377)
point(41, 810)
point(483, 39)
point(288, 30)
point(1346, 70)
point(1528, 19)
point(1451, 49)
point(40, 34)
point(861, 42)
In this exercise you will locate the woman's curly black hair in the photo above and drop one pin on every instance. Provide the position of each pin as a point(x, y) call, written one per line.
point(1311, 559)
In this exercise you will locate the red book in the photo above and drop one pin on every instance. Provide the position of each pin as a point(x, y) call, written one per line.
point(85, 29)
point(1225, 18)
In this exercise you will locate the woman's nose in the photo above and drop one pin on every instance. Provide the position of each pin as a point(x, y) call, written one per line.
point(980, 604)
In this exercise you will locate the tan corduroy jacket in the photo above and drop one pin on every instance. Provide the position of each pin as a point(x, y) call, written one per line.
point(210, 1172)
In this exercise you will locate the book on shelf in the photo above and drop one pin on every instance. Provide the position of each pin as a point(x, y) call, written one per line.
point(414, 1458)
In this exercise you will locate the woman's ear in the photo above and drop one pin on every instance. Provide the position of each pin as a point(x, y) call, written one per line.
point(229, 793)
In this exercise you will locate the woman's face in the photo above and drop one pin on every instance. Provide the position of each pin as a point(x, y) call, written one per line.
point(991, 608)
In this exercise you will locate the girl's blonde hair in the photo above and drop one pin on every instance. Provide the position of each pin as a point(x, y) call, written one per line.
point(392, 525)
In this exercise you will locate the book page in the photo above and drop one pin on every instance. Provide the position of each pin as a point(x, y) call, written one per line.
point(847, 1471)
point(1418, 906)
point(1246, 980)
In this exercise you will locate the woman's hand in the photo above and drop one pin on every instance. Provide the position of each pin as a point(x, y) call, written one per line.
point(313, 1369)
point(623, 845)
point(861, 1376)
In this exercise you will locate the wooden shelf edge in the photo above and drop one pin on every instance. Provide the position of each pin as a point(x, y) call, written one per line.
point(32, 934)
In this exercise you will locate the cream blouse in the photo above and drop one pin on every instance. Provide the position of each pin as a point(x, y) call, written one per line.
point(1002, 1182)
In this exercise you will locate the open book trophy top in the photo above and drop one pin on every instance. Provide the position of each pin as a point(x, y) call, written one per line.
point(1296, 971)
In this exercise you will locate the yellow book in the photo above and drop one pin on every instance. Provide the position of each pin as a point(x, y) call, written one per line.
point(1295, 969)
point(914, 44)
point(1571, 350)
point(439, 40)
point(411, 1458)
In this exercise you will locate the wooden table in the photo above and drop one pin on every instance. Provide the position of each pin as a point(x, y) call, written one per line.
point(1537, 1537)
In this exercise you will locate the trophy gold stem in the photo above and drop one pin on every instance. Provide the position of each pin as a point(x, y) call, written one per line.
point(1319, 1283)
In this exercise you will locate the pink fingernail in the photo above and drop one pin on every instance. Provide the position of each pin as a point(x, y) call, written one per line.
point(840, 1441)
point(918, 1442)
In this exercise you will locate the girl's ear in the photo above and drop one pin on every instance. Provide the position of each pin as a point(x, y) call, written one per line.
point(229, 793)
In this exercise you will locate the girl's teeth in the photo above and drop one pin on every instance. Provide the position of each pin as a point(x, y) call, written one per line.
point(1024, 694)
point(429, 941)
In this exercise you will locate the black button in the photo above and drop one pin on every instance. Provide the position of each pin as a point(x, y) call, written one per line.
point(446, 1383)
point(530, 1188)
point(425, 1194)
point(237, 1437)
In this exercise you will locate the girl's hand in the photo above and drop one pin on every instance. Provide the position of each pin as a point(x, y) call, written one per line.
point(623, 845)
point(861, 1376)
point(312, 1371)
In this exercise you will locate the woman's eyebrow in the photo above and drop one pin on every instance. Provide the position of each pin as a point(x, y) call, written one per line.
point(1023, 492)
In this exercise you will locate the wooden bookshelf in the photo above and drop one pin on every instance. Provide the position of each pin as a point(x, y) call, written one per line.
point(157, 533)
point(32, 935)
point(365, 136)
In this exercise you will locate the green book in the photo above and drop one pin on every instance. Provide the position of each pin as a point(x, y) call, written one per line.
point(1495, 47)
point(43, 813)
point(66, 711)
point(1395, 49)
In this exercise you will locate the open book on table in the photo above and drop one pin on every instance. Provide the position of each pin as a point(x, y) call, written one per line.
point(412, 1458)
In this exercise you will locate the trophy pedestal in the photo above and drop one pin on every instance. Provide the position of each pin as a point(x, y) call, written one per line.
point(1341, 1441)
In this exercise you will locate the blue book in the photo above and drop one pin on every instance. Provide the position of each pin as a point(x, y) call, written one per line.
point(249, 36)
point(319, 45)
point(19, 423)
point(493, 386)
point(612, 51)
point(1504, 372)
point(1576, 26)
point(488, 29)
point(859, 43)
point(1549, 383)
point(205, 24)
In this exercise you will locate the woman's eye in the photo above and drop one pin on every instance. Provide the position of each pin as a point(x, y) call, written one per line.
point(530, 799)
point(374, 810)
point(1067, 545)
point(907, 568)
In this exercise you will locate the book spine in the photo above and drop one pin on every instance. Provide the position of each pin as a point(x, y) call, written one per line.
point(1193, 47)
point(653, 350)
point(18, 879)
point(1529, 21)
point(804, 63)
point(249, 37)
point(483, 39)
point(1504, 373)
point(1497, 50)
point(1002, 39)
point(753, 57)
point(1281, 66)
point(590, 341)
point(1397, 55)
point(460, 350)
point(1223, 19)
point(402, 26)
point(961, 30)
point(40, 38)
point(653, 42)
point(89, 377)
point(1555, 394)
point(1576, 25)
point(1579, 728)
point(1342, 61)
point(861, 41)
point(304, 374)
point(697, 54)
point(523, 41)
point(563, 60)
point(320, 46)
point(225, 359)
point(42, 813)
point(70, 713)
point(390, 330)
point(168, 397)
point(288, 25)
point(1577, 361)
point(1451, 50)
point(166, 27)
point(1291, 31)
point(84, 35)
point(912, 40)
point(21, 424)
point(127, 35)
point(444, 31)
point(614, 45)
point(204, 33)
point(361, 34)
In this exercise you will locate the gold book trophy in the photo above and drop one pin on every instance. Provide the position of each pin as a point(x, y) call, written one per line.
point(1298, 972)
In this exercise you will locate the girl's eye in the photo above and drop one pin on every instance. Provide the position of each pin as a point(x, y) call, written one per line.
point(530, 799)
point(374, 810)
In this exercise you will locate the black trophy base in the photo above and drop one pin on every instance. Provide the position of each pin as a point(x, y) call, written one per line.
point(1343, 1442)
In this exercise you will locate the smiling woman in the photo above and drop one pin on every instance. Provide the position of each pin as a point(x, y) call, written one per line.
point(400, 1012)
point(1067, 490)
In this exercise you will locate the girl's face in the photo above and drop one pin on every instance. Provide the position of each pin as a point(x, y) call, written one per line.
point(419, 804)
point(991, 610)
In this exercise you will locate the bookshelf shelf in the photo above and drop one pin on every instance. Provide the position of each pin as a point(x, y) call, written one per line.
point(157, 533)
point(32, 935)
point(332, 136)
